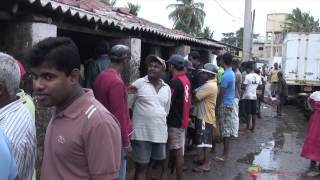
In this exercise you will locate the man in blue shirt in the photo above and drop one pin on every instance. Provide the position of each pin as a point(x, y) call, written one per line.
point(225, 103)
point(8, 169)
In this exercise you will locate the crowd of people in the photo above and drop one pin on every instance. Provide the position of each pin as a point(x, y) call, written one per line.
point(181, 106)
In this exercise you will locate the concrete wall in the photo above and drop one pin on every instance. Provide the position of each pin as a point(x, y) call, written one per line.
point(17, 37)
point(132, 73)
point(182, 50)
point(258, 50)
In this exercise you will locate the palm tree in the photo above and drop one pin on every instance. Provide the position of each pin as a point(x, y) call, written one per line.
point(299, 21)
point(206, 33)
point(187, 16)
point(134, 8)
point(109, 2)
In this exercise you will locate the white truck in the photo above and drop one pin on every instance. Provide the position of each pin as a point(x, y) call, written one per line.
point(301, 64)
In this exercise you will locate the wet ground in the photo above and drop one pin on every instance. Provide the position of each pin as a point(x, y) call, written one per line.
point(273, 150)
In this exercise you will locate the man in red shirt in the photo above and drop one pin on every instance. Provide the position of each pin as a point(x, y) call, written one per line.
point(111, 91)
point(178, 117)
point(83, 138)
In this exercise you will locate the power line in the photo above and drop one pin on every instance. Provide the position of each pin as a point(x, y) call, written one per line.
point(225, 10)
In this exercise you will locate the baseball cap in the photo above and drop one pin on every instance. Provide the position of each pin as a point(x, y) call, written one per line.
point(152, 58)
point(119, 52)
point(210, 68)
point(176, 59)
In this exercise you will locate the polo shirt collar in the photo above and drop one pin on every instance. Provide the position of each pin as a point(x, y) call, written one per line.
point(11, 107)
point(146, 79)
point(75, 108)
point(212, 80)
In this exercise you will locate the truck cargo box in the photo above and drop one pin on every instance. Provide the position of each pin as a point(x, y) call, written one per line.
point(301, 59)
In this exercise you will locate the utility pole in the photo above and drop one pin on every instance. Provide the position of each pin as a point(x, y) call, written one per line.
point(247, 32)
point(252, 32)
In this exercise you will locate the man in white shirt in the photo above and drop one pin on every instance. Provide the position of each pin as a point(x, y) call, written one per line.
point(15, 120)
point(251, 83)
point(150, 98)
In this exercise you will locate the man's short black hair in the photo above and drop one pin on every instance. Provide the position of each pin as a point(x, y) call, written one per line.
point(195, 55)
point(59, 52)
point(227, 59)
point(102, 48)
point(236, 62)
point(250, 66)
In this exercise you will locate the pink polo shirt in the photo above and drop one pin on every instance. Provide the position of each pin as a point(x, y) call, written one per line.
point(82, 143)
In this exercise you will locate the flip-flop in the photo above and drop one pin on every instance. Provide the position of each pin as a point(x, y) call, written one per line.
point(200, 169)
point(219, 159)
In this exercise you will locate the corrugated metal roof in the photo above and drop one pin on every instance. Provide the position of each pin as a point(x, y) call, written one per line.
point(93, 10)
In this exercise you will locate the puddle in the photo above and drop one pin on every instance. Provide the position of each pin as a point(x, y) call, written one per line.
point(272, 156)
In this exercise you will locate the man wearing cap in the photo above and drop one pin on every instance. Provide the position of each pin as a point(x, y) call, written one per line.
point(111, 91)
point(205, 98)
point(150, 100)
point(178, 117)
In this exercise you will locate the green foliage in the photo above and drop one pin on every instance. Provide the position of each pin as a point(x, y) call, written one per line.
point(134, 8)
point(109, 2)
point(235, 38)
point(302, 22)
point(187, 16)
point(206, 33)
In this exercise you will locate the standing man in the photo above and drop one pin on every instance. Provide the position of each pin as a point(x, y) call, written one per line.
point(282, 93)
point(251, 83)
point(274, 78)
point(151, 105)
point(235, 113)
point(83, 139)
point(221, 70)
point(178, 117)
point(15, 120)
point(225, 104)
point(111, 91)
point(99, 64)
point(194, 58)
point(205, 123)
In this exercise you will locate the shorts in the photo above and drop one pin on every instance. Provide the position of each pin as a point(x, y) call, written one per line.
point(144, 151)
point(176, 138)
point(250, 106)
point(242, 110)
point(203, 136)
point(225, 119)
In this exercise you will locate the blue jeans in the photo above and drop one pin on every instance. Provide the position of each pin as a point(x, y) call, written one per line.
point(123, 166)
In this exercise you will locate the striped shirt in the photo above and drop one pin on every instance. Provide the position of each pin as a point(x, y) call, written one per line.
point(16, 122)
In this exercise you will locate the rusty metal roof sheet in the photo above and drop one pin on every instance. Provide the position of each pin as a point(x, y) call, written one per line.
point(93, 10)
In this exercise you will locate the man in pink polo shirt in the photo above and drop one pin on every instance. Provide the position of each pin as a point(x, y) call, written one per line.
point(111, 91)
point(83, 140)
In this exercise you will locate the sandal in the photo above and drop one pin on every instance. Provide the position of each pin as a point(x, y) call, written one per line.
point(219, 159)
point(200, 169)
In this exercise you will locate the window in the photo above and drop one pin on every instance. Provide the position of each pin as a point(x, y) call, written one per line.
point(260, 48)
